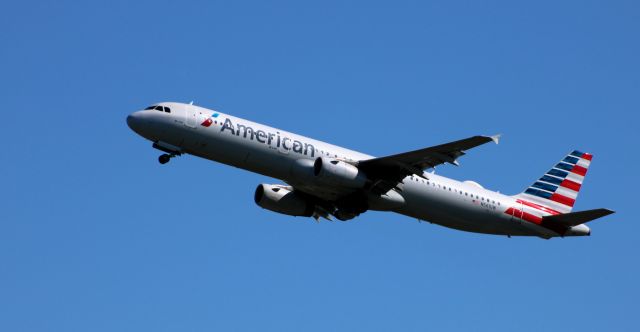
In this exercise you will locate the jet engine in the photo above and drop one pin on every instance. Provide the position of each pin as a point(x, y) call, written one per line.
point(339, 173)
point(283, 200)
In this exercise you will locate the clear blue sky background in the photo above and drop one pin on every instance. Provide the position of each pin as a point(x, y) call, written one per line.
point(95, 235)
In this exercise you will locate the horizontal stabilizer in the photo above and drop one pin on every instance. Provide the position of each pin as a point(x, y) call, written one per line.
point(576, 218)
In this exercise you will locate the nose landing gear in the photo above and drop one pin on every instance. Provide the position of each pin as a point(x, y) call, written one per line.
point(171, 151)
point(164, 158)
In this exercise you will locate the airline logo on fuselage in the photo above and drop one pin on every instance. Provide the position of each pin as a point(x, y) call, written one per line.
point(209, 121)
point(274, 140)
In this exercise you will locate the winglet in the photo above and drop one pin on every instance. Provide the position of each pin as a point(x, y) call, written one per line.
point(496, 138)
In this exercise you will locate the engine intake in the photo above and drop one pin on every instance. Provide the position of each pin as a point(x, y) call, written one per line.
point(339, 173)
point(282, 200)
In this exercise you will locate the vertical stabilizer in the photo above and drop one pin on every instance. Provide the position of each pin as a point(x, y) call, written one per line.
point(559, 187)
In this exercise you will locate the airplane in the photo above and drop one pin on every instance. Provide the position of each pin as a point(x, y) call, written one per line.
point(326, 181)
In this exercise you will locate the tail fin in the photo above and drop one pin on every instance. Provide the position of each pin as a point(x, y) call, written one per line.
point(558, 188)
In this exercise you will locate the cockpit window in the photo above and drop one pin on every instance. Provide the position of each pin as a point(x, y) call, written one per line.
point(159, 108)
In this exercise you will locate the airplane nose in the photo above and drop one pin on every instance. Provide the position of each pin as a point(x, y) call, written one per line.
point(134, 121)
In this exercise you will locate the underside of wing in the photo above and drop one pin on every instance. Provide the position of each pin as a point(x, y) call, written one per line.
point(387, 172)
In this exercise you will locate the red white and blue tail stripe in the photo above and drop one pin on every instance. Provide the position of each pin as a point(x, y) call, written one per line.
point(558, 188)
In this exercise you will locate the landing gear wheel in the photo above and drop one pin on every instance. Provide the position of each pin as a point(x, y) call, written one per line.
point(163, 159)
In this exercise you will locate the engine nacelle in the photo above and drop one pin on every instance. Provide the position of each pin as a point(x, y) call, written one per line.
point(339, 173)
point(282, 200)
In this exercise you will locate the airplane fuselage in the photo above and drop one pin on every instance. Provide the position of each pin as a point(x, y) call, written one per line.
point(279, 154)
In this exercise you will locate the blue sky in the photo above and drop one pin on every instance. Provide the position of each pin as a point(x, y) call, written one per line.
point(95, 235)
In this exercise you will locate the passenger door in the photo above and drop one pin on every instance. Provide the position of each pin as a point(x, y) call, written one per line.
point(190, 117)
point(517, 212)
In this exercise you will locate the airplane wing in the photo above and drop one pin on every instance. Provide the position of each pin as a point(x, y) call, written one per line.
point(387, 172)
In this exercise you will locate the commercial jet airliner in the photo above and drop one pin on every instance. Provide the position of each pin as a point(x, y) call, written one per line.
point(325, 181)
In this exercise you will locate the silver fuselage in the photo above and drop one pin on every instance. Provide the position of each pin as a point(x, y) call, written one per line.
point(273, 152)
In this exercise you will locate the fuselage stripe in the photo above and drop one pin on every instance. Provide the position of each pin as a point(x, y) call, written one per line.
point(537, 206)
point(524, 215)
